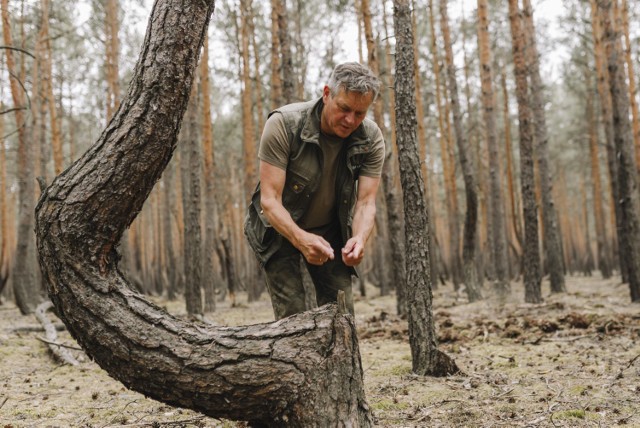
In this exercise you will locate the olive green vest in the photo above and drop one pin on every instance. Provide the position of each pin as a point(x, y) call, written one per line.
point(303, 176)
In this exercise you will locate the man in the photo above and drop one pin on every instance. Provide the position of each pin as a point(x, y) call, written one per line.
point(320, 166)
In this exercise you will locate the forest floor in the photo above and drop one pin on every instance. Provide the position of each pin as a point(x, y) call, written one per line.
point(573, 360)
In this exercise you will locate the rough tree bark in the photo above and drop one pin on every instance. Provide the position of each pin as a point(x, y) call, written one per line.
point(301, 371)
point(603, 256)
point(426, 358)
point(629, 238)
point(497, 237)
point(470, 273)
point(23, 272)
point(532, 293)
point(552, 239)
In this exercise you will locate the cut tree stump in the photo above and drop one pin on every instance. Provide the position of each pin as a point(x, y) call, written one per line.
point(303, 371)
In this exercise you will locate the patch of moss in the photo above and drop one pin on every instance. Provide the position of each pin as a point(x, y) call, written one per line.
point(569, 414)
point(386, 405)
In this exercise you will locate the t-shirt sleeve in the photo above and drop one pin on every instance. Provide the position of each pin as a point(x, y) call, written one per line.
point(372, 166)
point(274, 143)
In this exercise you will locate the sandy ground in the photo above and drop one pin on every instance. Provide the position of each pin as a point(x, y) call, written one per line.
point(572, 361)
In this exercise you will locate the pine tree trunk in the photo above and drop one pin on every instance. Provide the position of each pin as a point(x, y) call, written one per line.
point(23, 272)
point(470, 274)
point(423, 143)
point(449, 185)
point(276, 80)
point(498, 237)
point(4, 245)
point(209, 274)
point(112, 45)
point(288, 79)
point(190, 166)
point(552, 238)
point(303, 371)
point(254, 287)
point(531, 252)
point(629, 238)
point(607, 119)
point(603, 251)
point(632, 80)
point(393, 193)
point(516, 222)
point(426, 358)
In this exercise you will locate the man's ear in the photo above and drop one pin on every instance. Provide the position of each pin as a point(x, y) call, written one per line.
point(326, 92)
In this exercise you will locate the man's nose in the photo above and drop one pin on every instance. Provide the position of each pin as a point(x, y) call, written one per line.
point(350, 118)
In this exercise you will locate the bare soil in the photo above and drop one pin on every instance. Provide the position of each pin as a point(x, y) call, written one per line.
point(573, 361)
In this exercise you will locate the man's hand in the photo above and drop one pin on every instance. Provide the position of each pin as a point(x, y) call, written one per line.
point(353, 251)
point(315, 249)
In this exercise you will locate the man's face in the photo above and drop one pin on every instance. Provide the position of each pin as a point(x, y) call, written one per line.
point(344, 112)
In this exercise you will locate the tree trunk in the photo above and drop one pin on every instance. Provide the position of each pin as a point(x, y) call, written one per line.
point(392, 192)
point(426, 358)
point(112, 44)
point(303, 371)
point(516, 222)
point(607, 119)
point(449, 185)
point(56, 138)
point(191, 201)
point(470, 273)
point(209, 275)
point(276, 80)
point(4, 245)
point(288, 80)
point(423, 142)
point(632, 80)
point(552, 241)
point(531, 251)
point(603, 255)
point(498, 237)
point(24, 279)
point(629, 238)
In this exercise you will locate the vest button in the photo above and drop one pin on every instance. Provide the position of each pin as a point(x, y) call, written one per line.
point(295, 187)
point(345, 201)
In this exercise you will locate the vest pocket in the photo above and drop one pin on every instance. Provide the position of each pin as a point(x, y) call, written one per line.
point(257, 229)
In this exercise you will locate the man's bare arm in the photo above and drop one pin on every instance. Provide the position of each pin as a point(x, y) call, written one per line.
point(313, 247)
point(363, 220)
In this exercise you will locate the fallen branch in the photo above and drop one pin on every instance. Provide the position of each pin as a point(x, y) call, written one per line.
point(62, 345)
point(58, 350)
point(35, 328)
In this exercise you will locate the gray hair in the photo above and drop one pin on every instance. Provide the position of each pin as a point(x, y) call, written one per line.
point(353, 77)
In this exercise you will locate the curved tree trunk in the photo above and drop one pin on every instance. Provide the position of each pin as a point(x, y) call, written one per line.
point(301, 371)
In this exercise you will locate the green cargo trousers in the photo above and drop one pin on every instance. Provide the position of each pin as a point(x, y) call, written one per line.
point(284, 280)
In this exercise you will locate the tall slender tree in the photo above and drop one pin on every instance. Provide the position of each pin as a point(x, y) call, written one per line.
point(112, 45)
point(606, 109)
point(531, 260)
point(471, 282)
point(629, 238)
point(488, 108)
point(24, 268)
point(286, 57)
point(191, 203)
point(551, 239)
point(276, 79)
point(426, 358)
point(449, 184)
point(602, 242)
point(209, 275)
